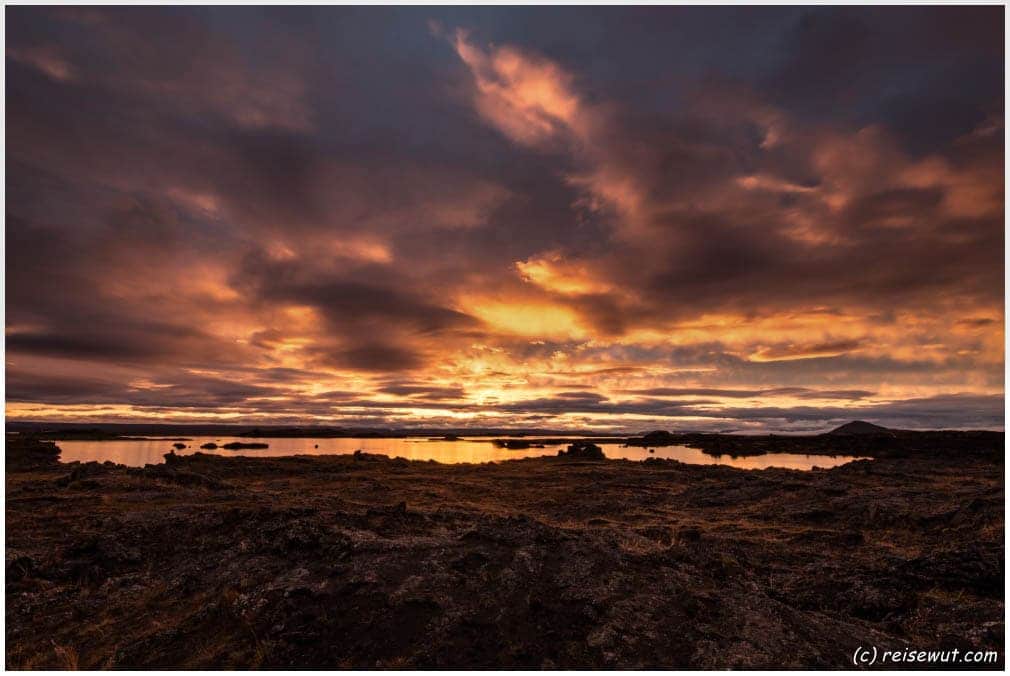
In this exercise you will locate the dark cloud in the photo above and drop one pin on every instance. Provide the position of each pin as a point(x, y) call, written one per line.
point(347, 302)
point(800, 392)
point(36, 387)
point(75, 345)
point(423, 391)
point(885, 63)
point(375, 357)
point(923, 413)
point(946, 411)
point(194, 392)
point(319, 205)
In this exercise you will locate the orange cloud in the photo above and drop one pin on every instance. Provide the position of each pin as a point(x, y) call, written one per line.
point(522, 318)
point(527, 98)
point(552, 272)
point(814, 351)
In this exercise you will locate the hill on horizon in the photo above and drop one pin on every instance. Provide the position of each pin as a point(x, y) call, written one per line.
point(860, 427)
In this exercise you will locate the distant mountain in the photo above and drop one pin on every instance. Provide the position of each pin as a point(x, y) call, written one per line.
point(860, 427)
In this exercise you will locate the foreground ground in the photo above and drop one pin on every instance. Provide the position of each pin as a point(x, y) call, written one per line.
point(369, 561)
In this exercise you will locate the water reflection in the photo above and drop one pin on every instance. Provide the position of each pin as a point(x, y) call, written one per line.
point(152, 451)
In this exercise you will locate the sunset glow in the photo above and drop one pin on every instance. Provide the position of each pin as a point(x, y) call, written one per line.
point(464, 223)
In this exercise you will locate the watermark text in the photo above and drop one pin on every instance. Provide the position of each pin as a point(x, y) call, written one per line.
point(865, 657)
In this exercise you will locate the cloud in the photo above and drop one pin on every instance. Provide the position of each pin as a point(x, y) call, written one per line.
point(565, 216)
point(812, 351)
point(529, 99)
point(130, 342)
point(194, 392)
point(423, 391)
point(45, 58)
point(552, 273)
point(799, 392)
point(374, 357)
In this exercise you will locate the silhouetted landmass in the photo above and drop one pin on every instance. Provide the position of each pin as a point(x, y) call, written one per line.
point(240, 445)
point(29, 454)
point(583, 450)
point(518, 444)
point(361, 560)
point(81, 433)
point(894, 444)
point(318, 432)
point(864, 441)
point(659, 438)
point(861, 427)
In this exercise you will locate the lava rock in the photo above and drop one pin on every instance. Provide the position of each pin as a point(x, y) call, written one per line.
point(583, 450)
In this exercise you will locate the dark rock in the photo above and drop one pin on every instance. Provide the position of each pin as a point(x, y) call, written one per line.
point(238, 445)
point(169, 472)
point(210, 446)
point(583, 450)
point(82, 475)
point(513, 444)
point(658, 437)
point(19, 567)
point(179, 445)
point(23, 453)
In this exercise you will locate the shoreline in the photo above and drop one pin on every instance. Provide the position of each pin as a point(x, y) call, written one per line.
point(889, 444)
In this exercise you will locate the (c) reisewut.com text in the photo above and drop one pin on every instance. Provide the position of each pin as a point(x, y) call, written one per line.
point(873, 656)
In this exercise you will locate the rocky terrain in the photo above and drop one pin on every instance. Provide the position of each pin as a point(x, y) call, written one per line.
point(340, 561)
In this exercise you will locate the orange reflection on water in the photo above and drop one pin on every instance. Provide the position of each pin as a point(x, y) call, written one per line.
point(152, 451)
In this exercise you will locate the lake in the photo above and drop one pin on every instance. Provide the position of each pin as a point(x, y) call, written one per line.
point(475, 450)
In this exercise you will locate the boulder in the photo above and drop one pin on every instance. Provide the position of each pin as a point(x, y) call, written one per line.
point(583, 450)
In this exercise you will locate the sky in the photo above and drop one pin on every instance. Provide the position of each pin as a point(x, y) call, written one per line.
point(742, 218)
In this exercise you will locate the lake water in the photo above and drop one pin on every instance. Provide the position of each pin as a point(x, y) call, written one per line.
point(152, 451)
